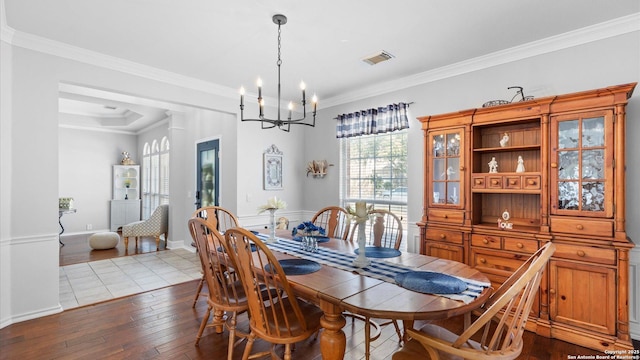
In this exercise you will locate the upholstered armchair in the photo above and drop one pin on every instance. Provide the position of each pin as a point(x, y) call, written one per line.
point(156, 225)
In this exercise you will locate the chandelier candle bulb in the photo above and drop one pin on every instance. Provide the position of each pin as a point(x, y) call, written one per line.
point(303, 87)
point(290, 108)
point(241, 96)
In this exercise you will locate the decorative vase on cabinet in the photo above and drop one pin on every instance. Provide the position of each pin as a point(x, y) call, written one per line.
point(561, 178)
point(125, 203)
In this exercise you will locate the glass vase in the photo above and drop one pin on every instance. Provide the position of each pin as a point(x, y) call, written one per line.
point(272, 226)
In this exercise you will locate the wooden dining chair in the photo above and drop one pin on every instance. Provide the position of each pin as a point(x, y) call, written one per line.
point(226, 293)
point(385, 230)
point(335, 220)
point(217, 218)
point(278, 318)
point(497, 332)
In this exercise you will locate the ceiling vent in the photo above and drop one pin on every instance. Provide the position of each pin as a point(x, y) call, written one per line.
point(378, 58)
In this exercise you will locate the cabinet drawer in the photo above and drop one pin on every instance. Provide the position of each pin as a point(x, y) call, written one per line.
point(512, 182)
point(531, 182)
point(444, 235)
point(522, 245)
point(447, 216)
point(478, 182)
point(585, 253)
point(502, 265)
point(587, 227)
point(486, 241)
point(494, 182)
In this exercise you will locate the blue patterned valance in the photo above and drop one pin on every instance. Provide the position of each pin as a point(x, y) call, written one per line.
point(373, 121)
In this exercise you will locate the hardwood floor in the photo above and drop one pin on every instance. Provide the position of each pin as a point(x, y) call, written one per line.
point(76, 249)
point(161, 324)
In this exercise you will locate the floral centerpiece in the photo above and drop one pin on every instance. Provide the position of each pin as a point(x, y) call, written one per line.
point(272, 205)
point(308, 228)
point(308, 233)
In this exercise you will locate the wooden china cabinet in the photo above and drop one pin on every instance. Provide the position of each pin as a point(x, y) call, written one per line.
point(502, 181)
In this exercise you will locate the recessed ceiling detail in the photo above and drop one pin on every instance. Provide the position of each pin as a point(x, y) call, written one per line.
point(378, 57)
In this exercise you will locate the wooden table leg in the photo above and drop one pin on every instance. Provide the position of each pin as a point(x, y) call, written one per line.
point(333, 341)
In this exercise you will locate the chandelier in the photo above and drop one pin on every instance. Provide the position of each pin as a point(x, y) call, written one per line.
point(282, 124)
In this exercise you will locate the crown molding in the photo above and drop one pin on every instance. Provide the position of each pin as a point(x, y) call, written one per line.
point(615, 27)
point(47, 46)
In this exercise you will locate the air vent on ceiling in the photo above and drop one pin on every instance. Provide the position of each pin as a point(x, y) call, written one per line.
point(109, 107)
point(378, 58)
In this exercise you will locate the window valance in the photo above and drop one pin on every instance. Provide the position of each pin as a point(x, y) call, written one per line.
point(373, 121)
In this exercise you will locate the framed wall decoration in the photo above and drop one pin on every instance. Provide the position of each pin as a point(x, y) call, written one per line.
point(273, 168)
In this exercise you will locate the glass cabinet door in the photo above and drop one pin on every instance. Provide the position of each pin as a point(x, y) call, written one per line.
point(582, 164)
point(445, 167)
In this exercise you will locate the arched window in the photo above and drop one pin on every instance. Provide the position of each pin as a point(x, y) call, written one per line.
point(146, 180)
point(155, 170)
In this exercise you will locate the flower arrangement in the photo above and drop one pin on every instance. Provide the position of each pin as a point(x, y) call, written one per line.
point(307, 228)
point(361, 213)
point(272, 204)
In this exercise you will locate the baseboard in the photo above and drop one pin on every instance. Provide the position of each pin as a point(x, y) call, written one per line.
point(180, 244)
point(29, 316)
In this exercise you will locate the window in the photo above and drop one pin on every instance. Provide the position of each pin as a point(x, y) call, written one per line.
point(155, 172)
point(374, 169)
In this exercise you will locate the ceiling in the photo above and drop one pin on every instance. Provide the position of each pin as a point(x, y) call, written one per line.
point(232, 43)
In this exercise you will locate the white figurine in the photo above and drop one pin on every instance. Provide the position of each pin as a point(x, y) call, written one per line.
point(493, 165)
point(505, 140)
point(520, 167)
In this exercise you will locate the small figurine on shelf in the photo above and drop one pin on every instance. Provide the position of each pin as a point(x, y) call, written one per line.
point(520, 167)
point(126, 160)
point(504, 140)
point(493, 165)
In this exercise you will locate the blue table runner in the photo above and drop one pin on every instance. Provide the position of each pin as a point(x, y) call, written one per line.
point(379, 269)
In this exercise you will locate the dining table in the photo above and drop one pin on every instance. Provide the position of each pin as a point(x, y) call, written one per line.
point(370, 291)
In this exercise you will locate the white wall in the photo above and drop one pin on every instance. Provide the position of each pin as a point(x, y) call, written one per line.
point(29, 249)
point(86, 160)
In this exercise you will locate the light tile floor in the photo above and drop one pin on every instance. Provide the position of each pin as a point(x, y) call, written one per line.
point(96, 281)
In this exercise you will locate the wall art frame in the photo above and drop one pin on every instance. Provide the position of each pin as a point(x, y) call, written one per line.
point(272, 168)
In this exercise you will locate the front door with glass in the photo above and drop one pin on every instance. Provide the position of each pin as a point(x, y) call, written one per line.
point(207, 174)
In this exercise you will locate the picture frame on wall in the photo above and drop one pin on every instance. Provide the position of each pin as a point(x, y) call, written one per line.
point(272, 168)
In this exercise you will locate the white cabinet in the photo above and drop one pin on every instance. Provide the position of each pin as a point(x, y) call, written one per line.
point(125, 203)
point(124, 212)
point(126, 182)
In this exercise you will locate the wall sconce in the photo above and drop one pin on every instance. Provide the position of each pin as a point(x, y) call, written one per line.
point(318, 168)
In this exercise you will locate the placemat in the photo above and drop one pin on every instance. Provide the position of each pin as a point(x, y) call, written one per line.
point(297, 266)
point(430, 282)
point(379, 252)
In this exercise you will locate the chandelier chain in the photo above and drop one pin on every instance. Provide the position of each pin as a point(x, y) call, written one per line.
point(279, 45)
